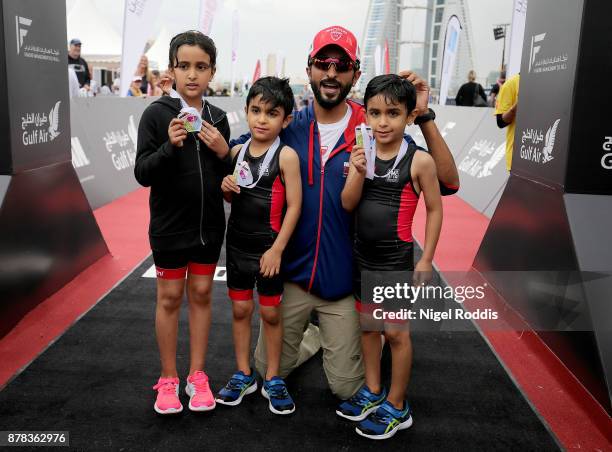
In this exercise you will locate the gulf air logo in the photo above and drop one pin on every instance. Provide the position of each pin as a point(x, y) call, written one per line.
point(20, 29)
point(535, 49)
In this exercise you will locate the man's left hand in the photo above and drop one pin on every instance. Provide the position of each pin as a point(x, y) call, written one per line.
point(422, 90)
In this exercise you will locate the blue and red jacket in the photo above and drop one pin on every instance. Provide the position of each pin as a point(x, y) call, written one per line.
point(319, 256)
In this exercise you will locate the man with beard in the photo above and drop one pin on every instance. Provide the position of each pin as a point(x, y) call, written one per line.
point(317, 262)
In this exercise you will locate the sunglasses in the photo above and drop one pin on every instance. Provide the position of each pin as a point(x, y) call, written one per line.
point(341, 65)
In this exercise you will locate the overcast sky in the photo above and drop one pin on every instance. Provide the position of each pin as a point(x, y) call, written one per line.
point(284, 27)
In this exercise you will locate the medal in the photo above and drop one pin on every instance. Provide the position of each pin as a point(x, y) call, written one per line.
point(244, 177)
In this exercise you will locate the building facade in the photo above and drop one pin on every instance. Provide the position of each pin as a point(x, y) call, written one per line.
point(415, 30)
point(382, 27)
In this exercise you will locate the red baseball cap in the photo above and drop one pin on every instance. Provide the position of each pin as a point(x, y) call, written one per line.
point(338, 36)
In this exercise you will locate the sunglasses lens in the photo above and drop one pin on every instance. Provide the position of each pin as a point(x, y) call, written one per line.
point(340, 65)
point(343, 66)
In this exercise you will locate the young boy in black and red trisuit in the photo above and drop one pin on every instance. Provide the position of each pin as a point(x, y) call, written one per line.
point(384, 205)
point(265, 191)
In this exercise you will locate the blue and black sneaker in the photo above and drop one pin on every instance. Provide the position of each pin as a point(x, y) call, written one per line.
point(275, 390)
point(361, 404)
point(236, 388)
point(385, 421)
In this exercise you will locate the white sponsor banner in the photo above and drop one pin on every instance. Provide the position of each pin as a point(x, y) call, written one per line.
point(451, 45)
point(378, 61)
point(517, 33)
point(235, 35)
point(208, 8)
point(138, 20)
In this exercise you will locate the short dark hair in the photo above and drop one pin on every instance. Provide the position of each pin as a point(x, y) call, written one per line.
point(275, 91)
point(394, 88)
point(192, 38)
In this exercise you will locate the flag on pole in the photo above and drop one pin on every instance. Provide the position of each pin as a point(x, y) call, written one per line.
point(451, 45)
point(517, 33)
point(257, 72)
point(378, 67)
point(235, 31)
point(387, 65)
point(208, 8)
point(138, 21)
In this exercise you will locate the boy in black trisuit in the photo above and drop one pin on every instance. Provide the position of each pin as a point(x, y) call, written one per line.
point(266, 196)
point(385, 206)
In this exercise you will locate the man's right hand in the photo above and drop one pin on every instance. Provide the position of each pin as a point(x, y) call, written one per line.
point(229, 185)
point(177, 132)
point(358, 159)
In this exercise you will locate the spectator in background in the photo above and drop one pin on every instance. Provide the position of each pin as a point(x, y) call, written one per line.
point(505, 112)
point(144, 73)
point(135, 87)
point(471, 94)
point(105, 91)
point(154, 85)
point(496, 87)
point(78, 64)
point(73, 82)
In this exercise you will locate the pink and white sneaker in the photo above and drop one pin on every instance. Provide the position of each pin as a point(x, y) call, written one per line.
point(198, 390)
point(167, 401)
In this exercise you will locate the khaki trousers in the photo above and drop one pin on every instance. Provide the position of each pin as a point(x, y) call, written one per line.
point(339, 335)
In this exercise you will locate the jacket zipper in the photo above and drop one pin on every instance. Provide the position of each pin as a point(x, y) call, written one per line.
point(201, 189)
point(316, 258)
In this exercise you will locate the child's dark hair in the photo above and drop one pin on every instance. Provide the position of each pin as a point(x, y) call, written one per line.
point(191, 38)
point(275, 91)
point(394, 89)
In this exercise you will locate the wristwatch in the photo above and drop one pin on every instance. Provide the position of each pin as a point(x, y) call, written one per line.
point(429, 115)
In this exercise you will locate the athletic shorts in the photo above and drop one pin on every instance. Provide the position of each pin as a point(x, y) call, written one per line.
point(198, 260)
point(396, 256)
point(243, 274)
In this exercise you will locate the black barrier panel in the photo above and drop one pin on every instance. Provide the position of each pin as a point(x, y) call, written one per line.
point(37, 84)
point(589, 168)
point(550, 53)
point(48, 235)
point(536, 228)
point(5, 128)
point(561, 145)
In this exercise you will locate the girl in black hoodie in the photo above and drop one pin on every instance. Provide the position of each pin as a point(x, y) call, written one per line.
point(184, 170)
